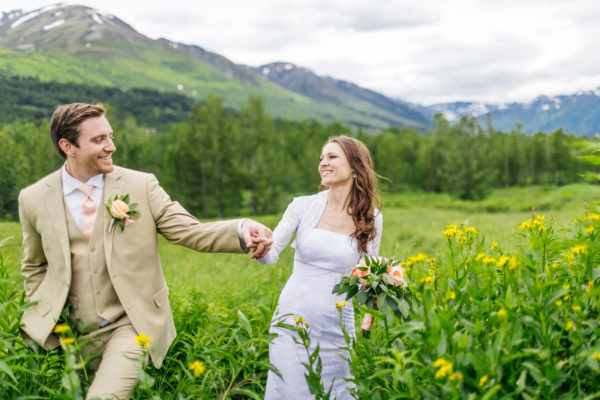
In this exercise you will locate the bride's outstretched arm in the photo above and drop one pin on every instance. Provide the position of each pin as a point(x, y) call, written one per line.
point(283, 232)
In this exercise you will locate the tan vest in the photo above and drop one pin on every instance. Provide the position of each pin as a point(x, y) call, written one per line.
point(92, 296)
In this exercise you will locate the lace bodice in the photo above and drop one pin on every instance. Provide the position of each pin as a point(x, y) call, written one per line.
point(302, 216)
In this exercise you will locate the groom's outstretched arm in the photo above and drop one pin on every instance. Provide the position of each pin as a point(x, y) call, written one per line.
point(180, 227)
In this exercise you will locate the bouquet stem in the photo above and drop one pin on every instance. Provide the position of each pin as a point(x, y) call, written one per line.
point(367, 324)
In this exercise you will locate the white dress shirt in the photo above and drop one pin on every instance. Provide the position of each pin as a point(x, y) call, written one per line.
point(74, 198)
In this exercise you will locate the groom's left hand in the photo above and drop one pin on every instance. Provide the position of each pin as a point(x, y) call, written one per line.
point(257, 237)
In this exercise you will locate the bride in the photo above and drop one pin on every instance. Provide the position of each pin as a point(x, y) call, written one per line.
point(334, 229)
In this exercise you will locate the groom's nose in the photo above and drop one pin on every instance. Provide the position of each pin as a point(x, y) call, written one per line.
point(110, 146)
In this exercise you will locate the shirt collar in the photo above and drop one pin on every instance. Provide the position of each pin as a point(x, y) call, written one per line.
point(70, 184)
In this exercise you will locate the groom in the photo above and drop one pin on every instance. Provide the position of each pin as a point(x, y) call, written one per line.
point(112, 281)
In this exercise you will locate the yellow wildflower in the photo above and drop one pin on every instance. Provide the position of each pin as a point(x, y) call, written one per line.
point(470, 229)
point(592, 217)
point(457, 376)
point(143, 341)
point(197, 367)
point(502, 313)
point(494, 246)
point(298, 320)
point(526, 225)
point(66, 340)
point(589, 287)
point(480, 256)
point(340, 305)
point(61, 328)
point(452, 296)
point(589, 229)
point(419, 257)
point(451, 232)
point(576, 308)
point(567, 297)
point(502, 261)
point(483, 380)
point(489, 260)
point(558, 302)
point(579, 249)
point(427, 279)
point(445, 367)
point(569, 326)
point(596, 356)
point(512, 264)
point(566, 286)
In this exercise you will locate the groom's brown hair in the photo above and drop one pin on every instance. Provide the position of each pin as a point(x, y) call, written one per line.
point(65, 121)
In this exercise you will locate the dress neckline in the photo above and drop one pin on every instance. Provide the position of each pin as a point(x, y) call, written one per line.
point(337, 233)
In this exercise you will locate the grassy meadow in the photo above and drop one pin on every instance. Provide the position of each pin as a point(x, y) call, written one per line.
point(535, 348)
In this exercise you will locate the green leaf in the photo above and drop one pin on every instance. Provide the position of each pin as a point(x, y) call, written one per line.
point(404, 307)
point(7, 370)
point(244, 322)
point(522, 381)
point(362, 298)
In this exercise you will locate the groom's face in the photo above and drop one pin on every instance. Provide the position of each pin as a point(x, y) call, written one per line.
point(93, 153)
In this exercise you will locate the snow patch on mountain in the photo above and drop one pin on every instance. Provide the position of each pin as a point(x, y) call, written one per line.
point(54, 24)
point(25, 18)
point(95, 17)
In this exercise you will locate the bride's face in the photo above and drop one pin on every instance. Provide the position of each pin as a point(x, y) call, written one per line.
point(334, 167)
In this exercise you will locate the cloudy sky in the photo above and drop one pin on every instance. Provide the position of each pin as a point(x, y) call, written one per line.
point(425, 51)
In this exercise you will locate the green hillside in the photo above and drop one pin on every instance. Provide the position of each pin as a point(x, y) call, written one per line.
point(102, 50)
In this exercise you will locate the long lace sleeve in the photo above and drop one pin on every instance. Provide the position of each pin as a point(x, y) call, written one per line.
point(283, 232)
point(373, 246)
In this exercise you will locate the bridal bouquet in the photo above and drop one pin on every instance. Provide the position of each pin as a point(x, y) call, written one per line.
point(378, 283)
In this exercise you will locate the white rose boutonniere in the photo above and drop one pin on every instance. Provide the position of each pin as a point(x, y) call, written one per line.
point(121, 211)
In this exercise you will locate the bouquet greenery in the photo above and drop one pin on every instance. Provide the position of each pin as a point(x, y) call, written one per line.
point(378, 283)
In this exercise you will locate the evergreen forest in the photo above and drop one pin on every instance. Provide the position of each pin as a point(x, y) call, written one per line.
point(220, 162)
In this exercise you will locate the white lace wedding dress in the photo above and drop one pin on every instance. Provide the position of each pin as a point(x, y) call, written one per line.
point(322, 258)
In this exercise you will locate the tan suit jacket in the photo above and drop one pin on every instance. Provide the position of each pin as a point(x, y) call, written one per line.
point(131, 255)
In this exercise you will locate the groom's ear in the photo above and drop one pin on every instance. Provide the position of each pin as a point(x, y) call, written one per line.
point(66, 146)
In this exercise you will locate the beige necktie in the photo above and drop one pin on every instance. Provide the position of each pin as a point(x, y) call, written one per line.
point(89, 209)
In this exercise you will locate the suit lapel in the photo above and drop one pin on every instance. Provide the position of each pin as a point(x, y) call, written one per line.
point(112, 187)
point(55, 207)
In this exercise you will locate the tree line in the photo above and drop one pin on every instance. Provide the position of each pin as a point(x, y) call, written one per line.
point(221, 163)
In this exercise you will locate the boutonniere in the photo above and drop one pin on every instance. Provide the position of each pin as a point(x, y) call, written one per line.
point(121, 211)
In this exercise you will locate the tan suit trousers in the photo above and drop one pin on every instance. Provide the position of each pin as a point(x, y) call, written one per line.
point(114, 355)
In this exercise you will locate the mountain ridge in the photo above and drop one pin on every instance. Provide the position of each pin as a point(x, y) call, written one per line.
point(79, 44)
point(577, 113)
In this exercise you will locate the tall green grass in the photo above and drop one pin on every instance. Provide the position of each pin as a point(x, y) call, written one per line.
point(223, 304)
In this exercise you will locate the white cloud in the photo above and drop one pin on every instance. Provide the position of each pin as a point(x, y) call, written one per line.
point(428, 52)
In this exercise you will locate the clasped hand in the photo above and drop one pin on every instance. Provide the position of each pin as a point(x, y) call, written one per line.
point(257, 237)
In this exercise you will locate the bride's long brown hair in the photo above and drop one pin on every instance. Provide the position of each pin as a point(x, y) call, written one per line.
point(360, 200)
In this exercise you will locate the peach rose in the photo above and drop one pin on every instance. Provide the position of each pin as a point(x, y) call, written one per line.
point(396, 276)
point(118, 209)
point(359, 272)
